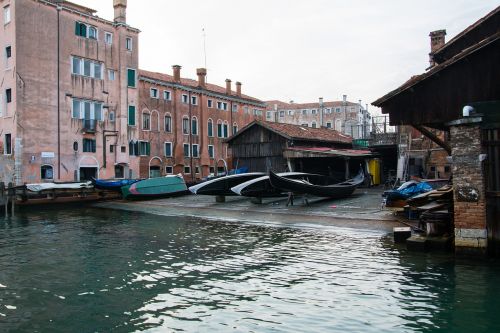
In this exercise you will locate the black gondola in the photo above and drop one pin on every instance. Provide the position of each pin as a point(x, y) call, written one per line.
point(222, 185)
point(261, 187)
point(321, 186)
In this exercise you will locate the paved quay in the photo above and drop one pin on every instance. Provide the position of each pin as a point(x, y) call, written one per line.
point(362, 210)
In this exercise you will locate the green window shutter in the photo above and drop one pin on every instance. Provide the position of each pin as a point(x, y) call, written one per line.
point(131, 148)
point(148, 148)
point(131, 78)
point(131, 115)
point(136, 148)
point(77, 28)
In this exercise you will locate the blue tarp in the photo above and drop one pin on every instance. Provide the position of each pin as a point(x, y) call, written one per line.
point(408, 192)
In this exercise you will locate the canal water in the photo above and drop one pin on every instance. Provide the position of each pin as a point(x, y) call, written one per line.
point(95, 270)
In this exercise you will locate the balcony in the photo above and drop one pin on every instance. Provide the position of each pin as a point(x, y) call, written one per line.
point(89, 125)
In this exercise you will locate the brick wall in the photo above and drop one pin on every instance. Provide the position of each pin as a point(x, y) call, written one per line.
point(469, 190)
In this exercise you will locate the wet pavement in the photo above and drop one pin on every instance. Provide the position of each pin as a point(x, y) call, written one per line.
point(361, 210)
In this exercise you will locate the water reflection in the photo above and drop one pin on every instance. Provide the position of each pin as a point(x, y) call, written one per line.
point(101, 270)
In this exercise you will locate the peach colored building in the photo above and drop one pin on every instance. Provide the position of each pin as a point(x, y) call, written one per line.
point(183, 123)
point(68, 79)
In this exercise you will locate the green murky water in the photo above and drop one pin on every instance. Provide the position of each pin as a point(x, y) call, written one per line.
point(96, 270)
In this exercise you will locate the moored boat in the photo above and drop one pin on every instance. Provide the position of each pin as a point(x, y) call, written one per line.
point(222, 185)
point(261, 187)
point(38, 187)
point(159, 187)
point(321, 186)
point(113, 184)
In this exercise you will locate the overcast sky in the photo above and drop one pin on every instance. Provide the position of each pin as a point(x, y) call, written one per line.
point(296, 50)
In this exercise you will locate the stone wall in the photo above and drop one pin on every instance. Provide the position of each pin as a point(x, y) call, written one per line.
point(469, 186)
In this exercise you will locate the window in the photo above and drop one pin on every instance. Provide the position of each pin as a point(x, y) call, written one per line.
point(46, 172)
point(313, 125)
point(108, 38)
point(168, 149)
point(111, 148)
point(8, 52)
point(6, 14)
point(8, 95)
point(305, 125)
point(211, 152)
point(146, 121)
point(235, 128)
point(211, 170)
point(133, 148)
point(123, 149)
point(131, 77)
point(304, 112)
point(128, 43)
point(197, 169)
point(328, 111)
point(210, 103)
point(225, 130)
point(89, 146)
point(131, 115)
point(269, 114)
point(186, 150)
point(86, 110)
point(111, 75)
point(222, 106)
point(219, 129)
point(144, 148)
point(328, 125)
point(187, 169)
point(290, 112)
point(119, 171)
point(185, 125)
point(194, 100)
point(194, 126)
point(8, 145)
point(184, 98)
point(169, 170)
point(245, 109)
point(168, 123)
point(235, 108)
point(195, 151)
point(282, 114)
point(85, 30)
point(86, 67)
point(111, 115)
point(153, 92)
point(337, 109)
point(167, 95)
point(210, 129)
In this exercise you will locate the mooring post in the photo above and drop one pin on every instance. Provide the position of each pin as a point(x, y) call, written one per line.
point(3, 196)
point(12, 197)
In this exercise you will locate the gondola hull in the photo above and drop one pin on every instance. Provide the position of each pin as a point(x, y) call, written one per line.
point(316, 187)
point(261, 187)
point(160, 187)
point(222, 185)
point(113, 185)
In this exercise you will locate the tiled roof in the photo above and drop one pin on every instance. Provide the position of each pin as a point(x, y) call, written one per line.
point(298, 106)
point(297, 132)
point(193, 84)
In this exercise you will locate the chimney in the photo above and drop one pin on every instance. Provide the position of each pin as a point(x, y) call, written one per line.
point(177, 73)
point(202, 73)
point(228, 86)
point(120, 7)
point(344, 98)
point(437, 41)
point(238, 89)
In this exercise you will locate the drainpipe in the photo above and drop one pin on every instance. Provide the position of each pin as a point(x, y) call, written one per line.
point(58, 95)
point(190, 124)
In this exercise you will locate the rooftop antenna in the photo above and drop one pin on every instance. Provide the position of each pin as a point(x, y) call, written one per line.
point(205, 49)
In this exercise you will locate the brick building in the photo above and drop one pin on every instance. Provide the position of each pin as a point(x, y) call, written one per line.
point(74, 105)
point(182, 123)
point(343, 116)
point(67, 80)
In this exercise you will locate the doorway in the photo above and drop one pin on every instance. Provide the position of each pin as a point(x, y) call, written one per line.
point(87, 173)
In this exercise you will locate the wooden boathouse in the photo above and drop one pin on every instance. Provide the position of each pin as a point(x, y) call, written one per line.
point(264, 146)
point(460, 95)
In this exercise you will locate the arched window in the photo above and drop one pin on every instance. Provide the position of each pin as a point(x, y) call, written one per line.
point(226, 132)
point(146, 121)
point(185, 125)
point(194, 126)
point(168, 123)
point(235, 128)
point(220, 130)
point(210, 128)
point(46, 172)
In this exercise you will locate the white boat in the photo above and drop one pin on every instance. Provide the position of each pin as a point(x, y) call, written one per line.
point(38, 187)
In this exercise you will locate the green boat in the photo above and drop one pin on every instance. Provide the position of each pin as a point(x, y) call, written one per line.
point(159, 187)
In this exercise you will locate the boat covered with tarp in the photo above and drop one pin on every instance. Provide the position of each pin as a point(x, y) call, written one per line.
point(317, 185)
point(39, 187)
point(159, 187)
point(113, 184)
